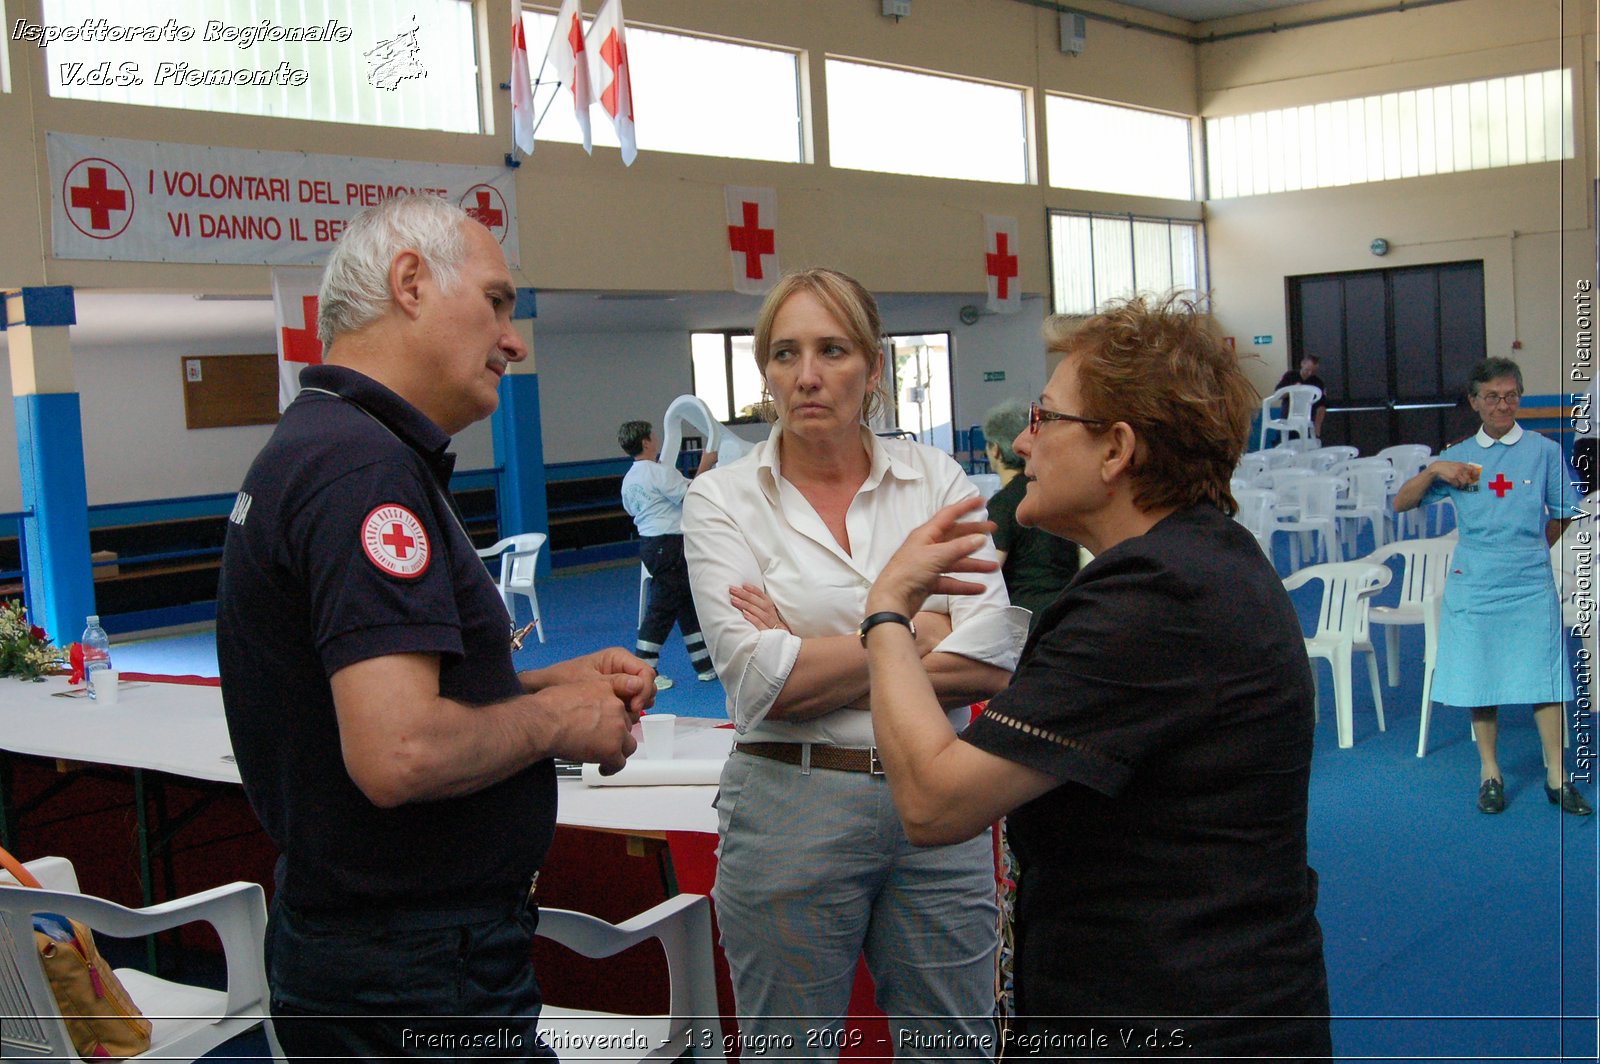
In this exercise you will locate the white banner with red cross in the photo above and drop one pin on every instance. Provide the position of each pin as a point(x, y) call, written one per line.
point(753, 238)
point(1000, 264)
point(144, 201)
point(294, 306)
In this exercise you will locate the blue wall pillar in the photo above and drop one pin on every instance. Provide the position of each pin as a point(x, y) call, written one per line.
point(519, 442)
point(57, 578)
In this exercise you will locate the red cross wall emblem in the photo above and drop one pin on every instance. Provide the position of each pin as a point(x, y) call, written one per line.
point(1001, 265)
point(1500, 485)
point(485, 205)
point(98, 198)
point(752, 241)
point(395, 541)
point(302, 344)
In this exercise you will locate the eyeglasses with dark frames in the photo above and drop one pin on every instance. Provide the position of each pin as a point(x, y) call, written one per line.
point(1038, 414)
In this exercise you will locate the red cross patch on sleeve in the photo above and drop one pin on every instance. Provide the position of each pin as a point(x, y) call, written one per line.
point(395, 541)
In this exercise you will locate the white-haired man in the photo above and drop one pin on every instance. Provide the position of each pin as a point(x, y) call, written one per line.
point(386, 741)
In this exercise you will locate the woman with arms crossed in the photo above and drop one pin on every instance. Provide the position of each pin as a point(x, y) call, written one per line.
point(1153, 752)
point(813, 867)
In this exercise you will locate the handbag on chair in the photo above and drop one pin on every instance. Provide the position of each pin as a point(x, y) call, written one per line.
point(100, 1016)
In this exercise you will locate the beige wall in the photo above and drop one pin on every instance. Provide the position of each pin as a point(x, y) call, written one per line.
point(591, 224)
point(1532, 226)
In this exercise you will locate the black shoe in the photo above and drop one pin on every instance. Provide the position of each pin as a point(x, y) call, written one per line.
point(1567, 797)
point(1492, 797)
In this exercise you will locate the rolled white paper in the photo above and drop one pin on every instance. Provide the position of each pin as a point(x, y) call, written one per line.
point(641, 773)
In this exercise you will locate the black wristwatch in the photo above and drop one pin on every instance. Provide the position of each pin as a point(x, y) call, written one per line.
point(886, 617)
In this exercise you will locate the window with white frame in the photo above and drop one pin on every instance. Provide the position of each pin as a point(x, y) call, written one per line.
point(725, 374)
point(402, 63)
point(1476, 125)
point(1097, 257)
point(1106, 148)
point(901, 122)
point(692, 95)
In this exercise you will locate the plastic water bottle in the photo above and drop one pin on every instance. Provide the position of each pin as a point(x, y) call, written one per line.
point(96, 651)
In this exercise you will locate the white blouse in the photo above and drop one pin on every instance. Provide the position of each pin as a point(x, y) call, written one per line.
point(745, 524)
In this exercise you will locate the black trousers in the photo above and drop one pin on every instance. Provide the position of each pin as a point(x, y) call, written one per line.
point(670, 599)
point(375, 986)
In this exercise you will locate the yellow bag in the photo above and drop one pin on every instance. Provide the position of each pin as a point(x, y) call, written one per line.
point(101, 1018)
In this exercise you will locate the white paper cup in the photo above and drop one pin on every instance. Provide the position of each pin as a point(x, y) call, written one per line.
point(1477, 474)
point(105, 686)
point(656, 735)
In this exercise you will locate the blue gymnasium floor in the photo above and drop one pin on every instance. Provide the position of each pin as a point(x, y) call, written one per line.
point(1449, 935)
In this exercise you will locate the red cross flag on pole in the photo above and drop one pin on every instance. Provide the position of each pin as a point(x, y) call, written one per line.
point(569, 58)
point(522, 121)
point(294, 305)
point(611, 76)
point(1000, 264)
point(752, 238)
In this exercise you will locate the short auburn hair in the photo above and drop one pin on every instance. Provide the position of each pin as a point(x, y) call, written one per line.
point(1159, 366)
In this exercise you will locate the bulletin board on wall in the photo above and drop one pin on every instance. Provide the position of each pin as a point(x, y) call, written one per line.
point(220, 391)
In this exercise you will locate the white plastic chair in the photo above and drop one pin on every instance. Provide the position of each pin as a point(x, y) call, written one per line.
point(1408, 459)
point(682, 924)
point(1425, 565)
point(1250, 466)
point(519, 564)
point(1307, 506)
point(1367, 499)
point(1347, 590)
point(1255, 514)
point(1297, 420)
point(187, 1021)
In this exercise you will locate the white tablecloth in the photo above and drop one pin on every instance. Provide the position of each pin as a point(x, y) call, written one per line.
point(180, 729)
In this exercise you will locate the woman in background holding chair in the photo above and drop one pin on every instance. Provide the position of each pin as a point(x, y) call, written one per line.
point(814, 868)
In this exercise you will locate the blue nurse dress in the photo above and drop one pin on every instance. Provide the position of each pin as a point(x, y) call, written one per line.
point(1500, 636)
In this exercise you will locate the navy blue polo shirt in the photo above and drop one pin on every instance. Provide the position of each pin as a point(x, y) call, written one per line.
point(344, 546)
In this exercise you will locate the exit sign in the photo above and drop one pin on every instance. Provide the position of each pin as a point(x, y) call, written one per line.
point(994, 375)
point(1261, 341)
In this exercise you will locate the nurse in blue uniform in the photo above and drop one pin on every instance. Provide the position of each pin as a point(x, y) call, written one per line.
point(1500, 635)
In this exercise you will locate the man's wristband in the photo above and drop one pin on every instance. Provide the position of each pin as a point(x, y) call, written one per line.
point(886, 617)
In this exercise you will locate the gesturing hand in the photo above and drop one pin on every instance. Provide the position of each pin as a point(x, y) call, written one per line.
point(921, 567)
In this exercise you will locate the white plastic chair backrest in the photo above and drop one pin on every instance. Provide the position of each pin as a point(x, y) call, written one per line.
point(1425, 564)
point(1255, 508)
point(1314, 496)
point(1369, 485)
point(1318, 460)
point(1250, 466)
point(691, 410)
point(1301, 398)
point(1344, 451)
point(1347, 588)
point(519, 559)
point(1408, 459)
point(1277, 478)
point(1278, 458)
point(1299, 445)
point(1353, 464)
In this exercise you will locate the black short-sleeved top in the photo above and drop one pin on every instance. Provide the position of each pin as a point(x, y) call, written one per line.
point(1169, 690)
point(1038, 563)
point(344, 546)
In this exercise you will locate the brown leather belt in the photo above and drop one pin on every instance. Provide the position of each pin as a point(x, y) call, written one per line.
point(837, 758)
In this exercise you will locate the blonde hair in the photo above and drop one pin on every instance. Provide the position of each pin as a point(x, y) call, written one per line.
point(1161, 368)
point(850, 303)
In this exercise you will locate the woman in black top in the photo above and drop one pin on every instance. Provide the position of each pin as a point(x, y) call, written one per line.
point(1152, 754)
